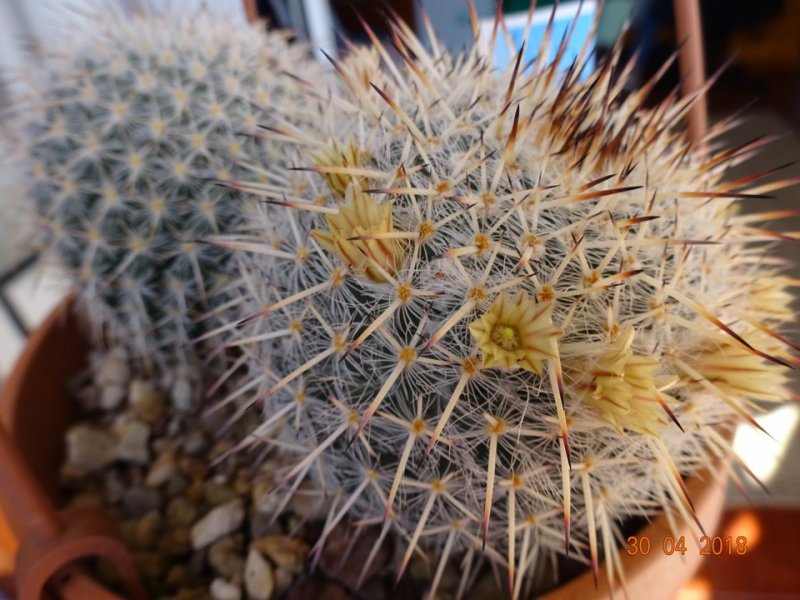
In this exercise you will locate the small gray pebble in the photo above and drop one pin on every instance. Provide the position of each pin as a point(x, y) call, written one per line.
point(196, 443)
point(139, 500)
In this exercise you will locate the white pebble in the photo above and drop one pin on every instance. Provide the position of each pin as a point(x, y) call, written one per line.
point(89, 449)
point(111, 396)
point(113, 369)
point(132, 442)
point(224, 590)
point(219, 522)
point(181, 395)
point(259, 580)
point(162, 469)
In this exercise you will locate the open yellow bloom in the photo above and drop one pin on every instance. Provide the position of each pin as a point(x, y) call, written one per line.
point(516, 332)
point(737, 371)
point(624, 389)
point(343, 158)
point(771, 298)
point(362, 217)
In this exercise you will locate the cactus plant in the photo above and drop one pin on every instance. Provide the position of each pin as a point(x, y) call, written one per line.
point(11, 238)
point(123, 128)
point(501, 313)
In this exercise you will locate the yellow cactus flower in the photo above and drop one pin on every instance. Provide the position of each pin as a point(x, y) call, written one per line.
point(623, 387)
point(737, 371)
point(341, 157)
point(770, 298)
point(362, 217)
point(516, 332)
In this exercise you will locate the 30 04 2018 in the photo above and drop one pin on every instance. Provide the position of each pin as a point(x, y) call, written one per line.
point(708, 545)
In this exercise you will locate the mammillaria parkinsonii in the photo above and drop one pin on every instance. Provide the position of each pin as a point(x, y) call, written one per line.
point(502, 312)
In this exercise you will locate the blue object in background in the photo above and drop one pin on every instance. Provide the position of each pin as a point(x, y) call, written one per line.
point(564, 17)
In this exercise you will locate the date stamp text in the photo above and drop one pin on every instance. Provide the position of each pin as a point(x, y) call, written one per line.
point(709, 545)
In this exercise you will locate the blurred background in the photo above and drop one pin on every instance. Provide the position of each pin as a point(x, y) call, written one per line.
point(755, 43)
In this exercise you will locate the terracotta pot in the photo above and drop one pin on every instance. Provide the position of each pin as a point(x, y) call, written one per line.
point(43, 544)
point(657, 575)
point(57, 351)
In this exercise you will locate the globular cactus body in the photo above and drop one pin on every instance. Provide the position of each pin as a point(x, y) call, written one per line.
point(503, 312)
point(123, 130)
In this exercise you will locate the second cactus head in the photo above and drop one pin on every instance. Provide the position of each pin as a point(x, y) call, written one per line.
point(124, 131)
